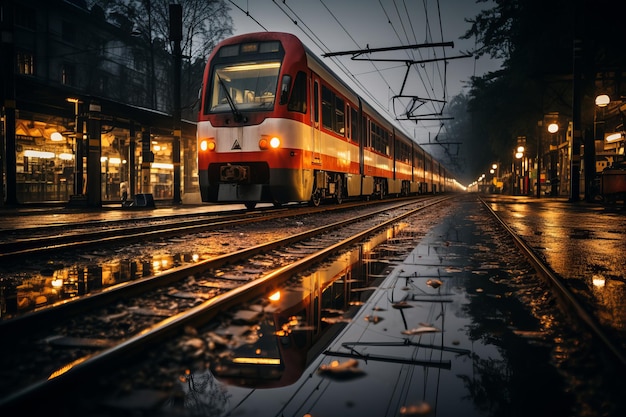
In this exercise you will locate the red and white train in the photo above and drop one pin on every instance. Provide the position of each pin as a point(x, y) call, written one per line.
point(277, 125)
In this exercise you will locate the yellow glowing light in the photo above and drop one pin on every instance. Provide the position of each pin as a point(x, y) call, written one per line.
point(195, 257)
point(603, 100)
point(520, 149)
point(57, 283)
point(252, 67)
point(56, 137)
point(66, 156)
point(613, 137)
point(162, 165)
point(274, 142)
point(275, 296)
point(598, 281)
point(553, 128)
point(204, 145)
point(257, 361)
point(39, 154)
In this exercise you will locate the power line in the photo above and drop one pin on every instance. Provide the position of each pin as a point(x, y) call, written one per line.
point(247, 13)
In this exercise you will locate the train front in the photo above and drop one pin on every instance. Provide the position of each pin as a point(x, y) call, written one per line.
point(252, 126)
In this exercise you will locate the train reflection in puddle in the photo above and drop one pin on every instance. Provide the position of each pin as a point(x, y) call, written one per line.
point(299, 320)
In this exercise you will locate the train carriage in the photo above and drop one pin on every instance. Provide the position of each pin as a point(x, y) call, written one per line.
point(277, 125)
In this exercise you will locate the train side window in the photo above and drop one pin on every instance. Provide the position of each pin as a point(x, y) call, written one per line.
point(316, 101)
point(297, 101)
point(340, 119)
point(327, 108)
point(354, 118)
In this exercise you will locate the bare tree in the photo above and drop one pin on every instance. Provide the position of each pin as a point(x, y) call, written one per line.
point(205, 23)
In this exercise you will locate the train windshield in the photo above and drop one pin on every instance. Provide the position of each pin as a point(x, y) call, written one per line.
point(246, 86)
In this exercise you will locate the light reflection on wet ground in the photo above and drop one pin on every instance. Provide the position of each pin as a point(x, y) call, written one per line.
point(583, 243)
point(499, 346)
point(56, 282)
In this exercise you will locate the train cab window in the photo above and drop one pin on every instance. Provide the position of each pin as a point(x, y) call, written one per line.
point(284, 88)
point(297, 101)
point(248, 86)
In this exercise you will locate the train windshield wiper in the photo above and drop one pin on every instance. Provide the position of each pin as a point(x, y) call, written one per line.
point(231, 103)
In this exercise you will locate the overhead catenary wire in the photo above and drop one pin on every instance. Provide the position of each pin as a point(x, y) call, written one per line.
point(432, 93)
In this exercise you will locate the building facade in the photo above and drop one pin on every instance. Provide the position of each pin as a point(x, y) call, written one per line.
point(85, 110)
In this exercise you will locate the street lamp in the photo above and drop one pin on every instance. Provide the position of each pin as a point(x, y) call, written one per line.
point(553, 128)
point(603, 100)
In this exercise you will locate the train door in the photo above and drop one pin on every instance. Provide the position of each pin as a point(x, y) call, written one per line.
point(315, 121)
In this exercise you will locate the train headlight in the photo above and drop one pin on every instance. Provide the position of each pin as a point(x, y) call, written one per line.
point(267, 142)
point(207, 145)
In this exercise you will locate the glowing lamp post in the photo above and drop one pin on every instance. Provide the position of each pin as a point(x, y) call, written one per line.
point(519, 154)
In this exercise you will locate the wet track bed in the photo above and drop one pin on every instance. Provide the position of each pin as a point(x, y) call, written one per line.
point(39, 280)
point(441, 316)
point(43, 348)
point(585, 244)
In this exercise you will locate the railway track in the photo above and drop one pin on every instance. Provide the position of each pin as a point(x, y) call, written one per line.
point(567, 299)
point(19, 243)
point(134, 316)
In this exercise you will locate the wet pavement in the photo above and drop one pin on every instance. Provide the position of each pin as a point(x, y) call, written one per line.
point(585, 244)
point(461, 326)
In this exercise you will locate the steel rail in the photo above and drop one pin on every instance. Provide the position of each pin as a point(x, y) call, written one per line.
point(27, 247)
point(66, 308)
point(88, 366)
point(563, 292)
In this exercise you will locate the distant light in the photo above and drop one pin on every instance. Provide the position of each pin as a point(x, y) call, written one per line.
point(598, 281)
point(56, 137)
point(603, 100)
point(257, 361)
point(520, 149)
point(614, 137)
point(39, 154)
point(66, 156)
point(161, 165)
point(519, 155)
point(553, 128)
